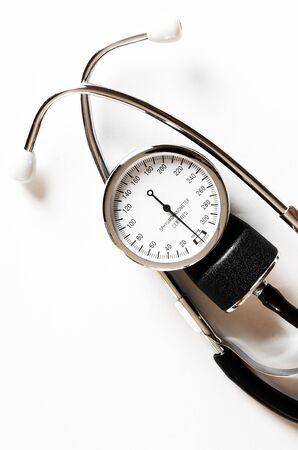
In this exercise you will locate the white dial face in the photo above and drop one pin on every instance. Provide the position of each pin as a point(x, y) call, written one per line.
point(165, 208)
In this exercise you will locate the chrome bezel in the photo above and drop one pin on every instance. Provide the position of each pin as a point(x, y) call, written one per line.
point(130, 160)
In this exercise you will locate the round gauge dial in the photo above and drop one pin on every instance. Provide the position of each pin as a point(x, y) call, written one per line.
point(165, 207)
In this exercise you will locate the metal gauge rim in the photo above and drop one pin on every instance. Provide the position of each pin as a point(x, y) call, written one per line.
point(120, 170)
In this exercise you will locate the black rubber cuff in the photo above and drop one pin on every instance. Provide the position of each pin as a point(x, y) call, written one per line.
point(234, 266)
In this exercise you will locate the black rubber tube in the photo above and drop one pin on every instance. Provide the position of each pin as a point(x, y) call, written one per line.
point(239, 373)
point(274, 300)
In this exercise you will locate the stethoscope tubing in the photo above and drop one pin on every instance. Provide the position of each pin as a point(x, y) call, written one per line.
point(289, 214)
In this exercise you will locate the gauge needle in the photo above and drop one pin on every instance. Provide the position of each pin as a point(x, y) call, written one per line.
point(167, 208)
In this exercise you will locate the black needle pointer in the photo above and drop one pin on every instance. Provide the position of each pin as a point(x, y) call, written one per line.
point(167, 208)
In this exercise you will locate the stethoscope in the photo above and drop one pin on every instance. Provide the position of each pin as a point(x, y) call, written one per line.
point(166, 207)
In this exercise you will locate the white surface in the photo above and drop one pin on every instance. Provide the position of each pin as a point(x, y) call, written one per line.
point(93, 353)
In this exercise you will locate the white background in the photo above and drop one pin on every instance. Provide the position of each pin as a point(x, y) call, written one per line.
point(93, 354)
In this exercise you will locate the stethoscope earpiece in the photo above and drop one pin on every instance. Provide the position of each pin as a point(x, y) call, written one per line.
point(23, 166)
point(165, 30)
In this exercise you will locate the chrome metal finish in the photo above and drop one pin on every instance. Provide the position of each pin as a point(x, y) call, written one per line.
point(255, 288)
point(129, 161)
point(101, 53)
point(204, 329)
point(291, 217)
point(258, 291)
point(177, 125)
point(173, 288)
point(202, 324)
point(86, 106)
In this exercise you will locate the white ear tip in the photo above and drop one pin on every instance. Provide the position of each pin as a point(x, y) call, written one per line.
point(165, 30)
point(23, 167)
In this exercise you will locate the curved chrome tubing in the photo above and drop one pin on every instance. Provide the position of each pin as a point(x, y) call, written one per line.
point(86, 107)
point(289, 214)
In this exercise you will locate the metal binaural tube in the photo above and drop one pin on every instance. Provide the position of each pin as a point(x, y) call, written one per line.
point(288, 214)
point(90, 132)
point(101, 53)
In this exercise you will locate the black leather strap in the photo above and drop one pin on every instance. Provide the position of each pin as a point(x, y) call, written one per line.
point(238, 372)
point(234, 266)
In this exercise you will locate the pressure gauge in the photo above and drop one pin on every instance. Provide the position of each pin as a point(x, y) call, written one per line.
point(166, 207)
